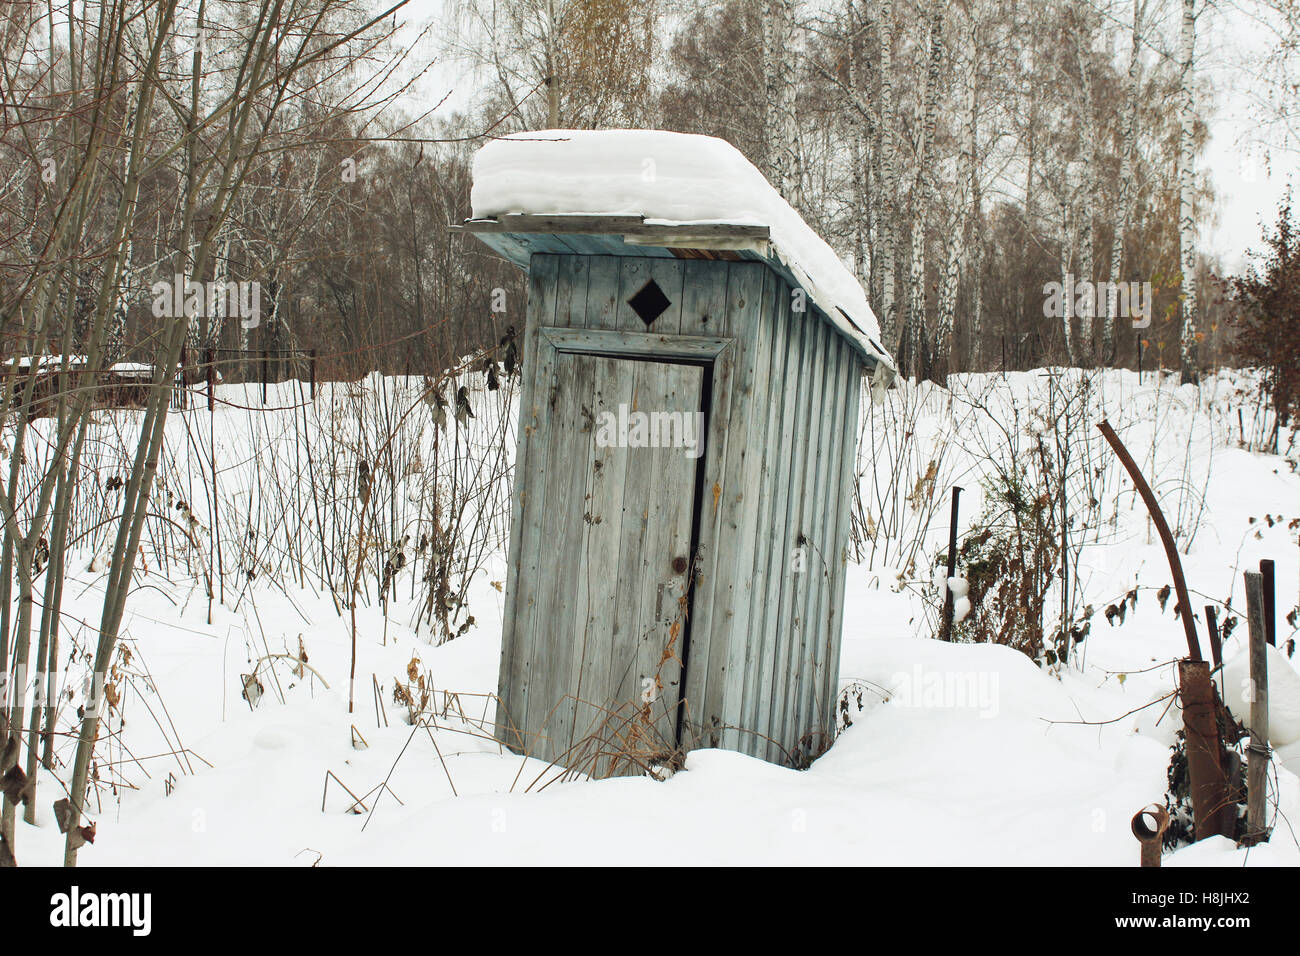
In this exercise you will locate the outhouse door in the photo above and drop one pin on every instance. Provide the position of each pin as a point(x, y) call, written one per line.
point(622, 456)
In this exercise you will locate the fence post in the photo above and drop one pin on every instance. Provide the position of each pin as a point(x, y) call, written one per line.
point(945, 631)
point(1266, 572)
point(1257, 757)
point(1208, 782)
point(1212, 625)
point(266, 372)
point(313, 375)
point(180, 399)
point(210, 359)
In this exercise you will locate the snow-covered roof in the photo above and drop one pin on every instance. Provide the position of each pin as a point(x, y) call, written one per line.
point(46, 361)
point(669, 180)
point(131, 369)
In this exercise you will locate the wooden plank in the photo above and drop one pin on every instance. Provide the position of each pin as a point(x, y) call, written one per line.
point(773, 702)
point(821, 557)
point(1258, 754)
point(509, 248)
point(704, 300)
point(522, 555)
point(554, 224)
point(634, 226)
point(704, 311)
point(661, 629)
point(562, 539)
point(549, 486)
point(683, 234)
point(770, 564)
point(613, 385)
point(758, 705)
point(750, 292)
point(555, 484)
point(571, 291)
point(675, 239)
point(570, 223)
point(786, 720)
point(745, 646)
point(852, 390)
point(623, 679)
point(643, 345)
point(602, 294)
point(563, 609)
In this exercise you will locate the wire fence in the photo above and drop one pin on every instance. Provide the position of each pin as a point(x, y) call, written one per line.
point(202, 368)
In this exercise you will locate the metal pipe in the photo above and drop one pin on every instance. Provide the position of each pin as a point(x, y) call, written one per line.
point(1149, 826)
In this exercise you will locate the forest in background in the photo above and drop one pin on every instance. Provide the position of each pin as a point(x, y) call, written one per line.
point(960, 156)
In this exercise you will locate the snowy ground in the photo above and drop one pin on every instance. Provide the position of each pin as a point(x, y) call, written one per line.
point(1010, 768)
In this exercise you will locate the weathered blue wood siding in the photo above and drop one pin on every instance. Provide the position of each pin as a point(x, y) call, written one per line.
point(773, 505)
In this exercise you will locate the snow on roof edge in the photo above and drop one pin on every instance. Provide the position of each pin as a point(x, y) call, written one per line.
point(679, 178)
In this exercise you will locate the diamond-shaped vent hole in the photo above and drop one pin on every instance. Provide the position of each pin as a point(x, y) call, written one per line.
point(650, 302)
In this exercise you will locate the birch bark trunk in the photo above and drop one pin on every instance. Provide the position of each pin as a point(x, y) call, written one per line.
point(1124, 213)
point(1186, 185)
point(916, 345)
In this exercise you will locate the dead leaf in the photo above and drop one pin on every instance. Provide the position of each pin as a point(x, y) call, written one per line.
point(63, 813)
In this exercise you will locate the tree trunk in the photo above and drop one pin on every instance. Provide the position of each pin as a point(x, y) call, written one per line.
point(1186, 185)
point(916, 346)
point(889, 181)
point(1067, 296)
point(1088, 154)
point(1125, 191)
point(960, 224)
point(780, 125)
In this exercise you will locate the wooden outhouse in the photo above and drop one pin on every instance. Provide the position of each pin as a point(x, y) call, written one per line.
point(685, 466)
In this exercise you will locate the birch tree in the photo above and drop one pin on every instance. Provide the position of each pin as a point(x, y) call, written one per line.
point(1089, 158)
point(780, 77)
point(1124, 210)
point(956, 233)
point(914, 347)
point(1186, 189)
point(888, 152)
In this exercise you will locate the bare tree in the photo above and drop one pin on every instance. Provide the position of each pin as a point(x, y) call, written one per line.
point(1186, 191)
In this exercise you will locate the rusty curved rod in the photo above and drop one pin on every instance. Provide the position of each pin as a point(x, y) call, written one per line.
point(1162, 526)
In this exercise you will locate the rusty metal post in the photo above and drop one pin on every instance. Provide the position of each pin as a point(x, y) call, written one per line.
point(945, 629)
point(1207, 781)
point(1257, 757)
point(1166, 537)
point(1266, 573)
point(1149, 826)
point(1212, 625)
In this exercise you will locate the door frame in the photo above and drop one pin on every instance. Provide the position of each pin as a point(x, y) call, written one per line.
point(711, 354)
